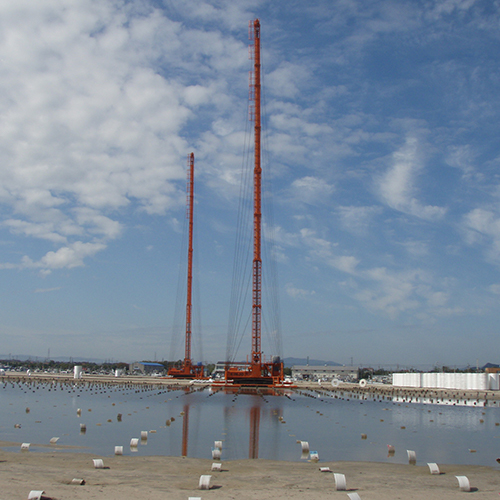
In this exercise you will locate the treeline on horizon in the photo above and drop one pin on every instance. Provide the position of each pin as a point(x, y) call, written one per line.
point(69, 365)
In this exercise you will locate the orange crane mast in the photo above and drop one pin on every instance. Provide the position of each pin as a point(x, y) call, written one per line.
point(257, 216)
point(188, 370)
point(256, 372)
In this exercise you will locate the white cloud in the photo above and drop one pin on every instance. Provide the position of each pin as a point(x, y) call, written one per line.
point(381, 289)
point(98, 224)
point(357, 219)
point(398, 292)
point(65, 257)
point(285, 80)
point(446, 7)
point(281, 237)
point(397, 187)
point(89, 125)
point(295, 293)
point(416, 248)
point(298, 124)
point(312, 190)
point(482, 226)
point(196, 95)
point(322, 250)
point(35, 230)
point(346, 263)
point(462, 157)
point(483, 222)
point(232, 14)
point(46, 290)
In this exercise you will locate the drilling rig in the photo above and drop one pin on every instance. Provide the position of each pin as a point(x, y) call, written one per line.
point(256, 372)
point(188, 370)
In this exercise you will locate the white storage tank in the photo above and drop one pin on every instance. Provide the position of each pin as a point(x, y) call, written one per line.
point(482, 381)
point(493, 381)
point(77, 371)
point(429, 380)
point(471, 382)
point(461, 381)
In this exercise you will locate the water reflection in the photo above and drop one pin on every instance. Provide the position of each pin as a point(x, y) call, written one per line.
point(253, 417)
point(254, 432)
point(252, 424)
point(185, 430)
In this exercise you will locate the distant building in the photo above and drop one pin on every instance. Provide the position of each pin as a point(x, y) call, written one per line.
point(146, 368)
point(325, 372)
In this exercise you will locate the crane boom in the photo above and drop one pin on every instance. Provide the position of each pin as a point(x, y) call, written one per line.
point(256, 371)
point(257, 215)
point(188, 370)
point(190, 207)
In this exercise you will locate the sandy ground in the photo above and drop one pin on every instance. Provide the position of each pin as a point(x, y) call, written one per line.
point(177, 478)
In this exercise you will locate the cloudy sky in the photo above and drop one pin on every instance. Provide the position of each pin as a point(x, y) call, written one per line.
point(382, 126)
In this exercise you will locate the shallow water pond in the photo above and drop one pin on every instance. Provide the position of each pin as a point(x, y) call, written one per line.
point(250, 425)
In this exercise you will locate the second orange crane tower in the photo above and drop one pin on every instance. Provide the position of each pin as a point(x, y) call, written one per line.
point(188, 370)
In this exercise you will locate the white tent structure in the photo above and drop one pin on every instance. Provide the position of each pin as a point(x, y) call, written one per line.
point(472, 381)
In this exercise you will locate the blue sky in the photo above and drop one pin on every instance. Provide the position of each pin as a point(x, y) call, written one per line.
point(382, 125)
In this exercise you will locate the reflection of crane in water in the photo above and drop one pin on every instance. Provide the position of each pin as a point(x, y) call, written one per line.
point(252, 406)
point(240, 406)
point(232, 416)
point(254, 413)
point(254, 432)
point(185, 430)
